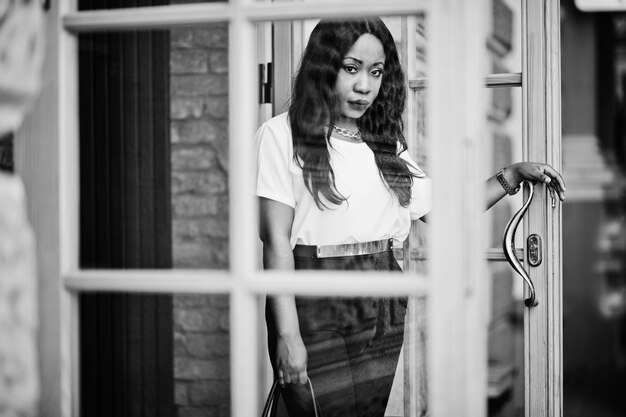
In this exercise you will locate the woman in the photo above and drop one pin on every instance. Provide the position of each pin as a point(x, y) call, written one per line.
point(336, 185)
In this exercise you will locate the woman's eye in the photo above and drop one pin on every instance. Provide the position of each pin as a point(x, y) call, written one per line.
point(350, 68)
point(377, 73)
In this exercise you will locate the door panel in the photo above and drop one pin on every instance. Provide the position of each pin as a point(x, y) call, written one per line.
point(542, 137)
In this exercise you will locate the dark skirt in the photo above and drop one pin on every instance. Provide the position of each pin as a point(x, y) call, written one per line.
point(353, 344)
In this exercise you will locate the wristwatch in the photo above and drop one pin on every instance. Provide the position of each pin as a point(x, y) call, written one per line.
point(505, 184)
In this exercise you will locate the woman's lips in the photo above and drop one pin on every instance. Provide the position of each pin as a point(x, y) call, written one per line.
point(358, 104)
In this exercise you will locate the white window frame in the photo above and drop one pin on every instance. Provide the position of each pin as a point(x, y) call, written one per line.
point(455, 93)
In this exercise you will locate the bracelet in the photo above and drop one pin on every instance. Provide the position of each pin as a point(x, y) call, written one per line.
point(505, 184)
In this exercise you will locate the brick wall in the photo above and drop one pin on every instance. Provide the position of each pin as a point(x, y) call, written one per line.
point(199, 123)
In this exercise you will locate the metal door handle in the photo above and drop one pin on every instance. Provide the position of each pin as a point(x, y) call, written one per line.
point(508, 244)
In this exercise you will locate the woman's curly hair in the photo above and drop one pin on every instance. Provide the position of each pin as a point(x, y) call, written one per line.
point(313, 102)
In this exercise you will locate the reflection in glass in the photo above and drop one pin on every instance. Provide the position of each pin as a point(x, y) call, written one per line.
point(154, 355)
point(353, 345)
point(336, 188)
point(505, 357)
point(154, 145)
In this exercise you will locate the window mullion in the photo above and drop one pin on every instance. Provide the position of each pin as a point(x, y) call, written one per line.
point(457, 358)
point(513, 79)
point(68, 160)
point(242, 214)
point(189, 14)
point(313, 283)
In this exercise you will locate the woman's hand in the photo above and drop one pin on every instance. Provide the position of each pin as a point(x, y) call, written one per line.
point(516, 173)
point(291, 360)
point(536, 172)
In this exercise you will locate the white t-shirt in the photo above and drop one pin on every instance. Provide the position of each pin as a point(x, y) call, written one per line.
point(372, 212)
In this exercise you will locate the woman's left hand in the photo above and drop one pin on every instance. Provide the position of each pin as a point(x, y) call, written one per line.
point(535, 171)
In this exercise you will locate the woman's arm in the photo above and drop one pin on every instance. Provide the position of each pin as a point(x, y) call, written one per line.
point(276, 220)
point(516, 173)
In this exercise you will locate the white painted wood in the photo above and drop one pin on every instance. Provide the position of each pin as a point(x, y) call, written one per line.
point(70, 361)
point(243, 211)
point(146, 17)
point(457, 338)
point(265, 51)
point(69, 178)
point(209, 281)
point(492, 254)
point(410, 354)
point(476, 27)
point(513, 79)
point(39, 157)
point(504, 80)
point(446, 386)
point(243, 88)
point(554, 251)
point(542, 142)
point(149, 281)
point(414, 355)
point(190, 14)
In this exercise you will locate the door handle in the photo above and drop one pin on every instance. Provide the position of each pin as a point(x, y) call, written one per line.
point(508, 245)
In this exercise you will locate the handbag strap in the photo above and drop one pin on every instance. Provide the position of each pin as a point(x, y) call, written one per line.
point(272, 400)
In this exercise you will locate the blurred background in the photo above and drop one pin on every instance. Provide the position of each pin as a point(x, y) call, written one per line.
point(594, 232)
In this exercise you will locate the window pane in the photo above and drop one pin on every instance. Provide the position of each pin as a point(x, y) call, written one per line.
point(154, 148)
point(154, 355)
point(506, 334)
point(364, 353)
point(119, 4)
point(355, 360)
point(504, 41)
point(506, 330)
point(355, 204)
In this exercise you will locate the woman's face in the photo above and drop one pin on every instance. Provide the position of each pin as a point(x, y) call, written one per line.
point(359, 77)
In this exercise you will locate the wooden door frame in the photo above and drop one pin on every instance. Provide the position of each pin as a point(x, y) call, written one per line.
point(541, 92)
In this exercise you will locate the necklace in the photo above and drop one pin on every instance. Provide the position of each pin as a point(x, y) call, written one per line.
point(346, 133)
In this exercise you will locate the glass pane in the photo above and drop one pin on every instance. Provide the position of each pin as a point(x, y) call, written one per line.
point(505, 357)
point(504, 41)
point(154, 355)
point(594, 225)
point(154, 148)
point(119, 4)
point(506, 327)
point(364, 353)
point(355, 361)
point(353, 204)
